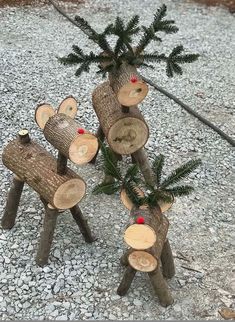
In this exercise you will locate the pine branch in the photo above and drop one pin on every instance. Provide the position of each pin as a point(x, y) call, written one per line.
point(180, 190)
point(157, 167)
point(180, 173)
point(107, 188)
point(132, 24)
point(110, 163)
point(152, 57)
point(157, 25)
point(133, 194)
point(176, 58)
point(132, 174)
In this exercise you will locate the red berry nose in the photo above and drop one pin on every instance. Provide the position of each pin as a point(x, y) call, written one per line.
point(81, 131)
point(134, 79)
point(140, 220)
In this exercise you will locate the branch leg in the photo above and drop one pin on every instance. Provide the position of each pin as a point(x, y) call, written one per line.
point(13, 200)
point(167, 259)
point(161, 288)
point(141, 159)
point(82, 224)
point(47, 233)
point(100, 136)
point(126, 281)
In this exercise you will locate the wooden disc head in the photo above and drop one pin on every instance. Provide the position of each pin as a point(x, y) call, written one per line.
point(83, 148)
point(128, 135)
point(132, 94)
point(140, 236)
point(142, 261)
point(42, 114)
point(68, 106)
point(69, 194)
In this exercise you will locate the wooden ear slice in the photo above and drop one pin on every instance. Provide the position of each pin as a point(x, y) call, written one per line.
point(68, 106)
point(129, 204)
point(126, 200)
point(42, 114)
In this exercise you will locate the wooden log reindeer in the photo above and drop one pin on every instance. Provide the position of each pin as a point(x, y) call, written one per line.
point(59, 187)
point(146, 234)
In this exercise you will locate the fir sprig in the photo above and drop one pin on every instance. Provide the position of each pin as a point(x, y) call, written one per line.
point(162, 191)
point(124, 51)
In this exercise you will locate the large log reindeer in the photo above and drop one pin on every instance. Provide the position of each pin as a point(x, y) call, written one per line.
point(116, 101)
point(146, 235)
point(58, 187)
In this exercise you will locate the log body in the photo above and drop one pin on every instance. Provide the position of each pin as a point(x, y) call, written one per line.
point(125, 132)
point(37, 167)
point(128, 86)
point(62, 132)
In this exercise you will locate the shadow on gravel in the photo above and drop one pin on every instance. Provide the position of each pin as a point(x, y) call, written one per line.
point(230, 4)
point(17, 3)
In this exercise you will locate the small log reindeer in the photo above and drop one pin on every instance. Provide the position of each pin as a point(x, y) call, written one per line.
point(146, 234)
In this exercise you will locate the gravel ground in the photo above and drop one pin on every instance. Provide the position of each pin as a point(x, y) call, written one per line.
point(80, 281)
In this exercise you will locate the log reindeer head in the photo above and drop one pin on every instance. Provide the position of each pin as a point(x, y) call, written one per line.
point(64, 133)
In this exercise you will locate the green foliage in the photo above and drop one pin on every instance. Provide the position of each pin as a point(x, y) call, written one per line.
point(110, 163)
point(107, 188)
point(123, 49)
point(162, 190)
point(157, 166)
point(180, 173)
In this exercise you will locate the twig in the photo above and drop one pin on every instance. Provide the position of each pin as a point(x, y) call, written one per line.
point(191, 111)
point(191, 269)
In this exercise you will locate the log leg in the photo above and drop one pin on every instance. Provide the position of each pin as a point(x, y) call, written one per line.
point(161, 288)
point(167, 259)
point(124, 258)
point(13, 200)
point(82, 224)
point(126, 281)
point(100, 136)
point(47, 233)
point(143, 162)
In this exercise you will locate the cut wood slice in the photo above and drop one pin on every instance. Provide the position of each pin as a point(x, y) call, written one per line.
point(165, 206)
point(132, 94)
point(69, 194)
point(128, 135)
point(127, 201)
point(68, 106)
point(83, 148)
point(142, 261)
point(140, 236)
point(42, 114)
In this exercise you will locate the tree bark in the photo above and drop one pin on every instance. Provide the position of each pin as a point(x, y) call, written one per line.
point(100, 136)
point(126, 281)
point(168, 266)
point(144, 165)
point(34, 165)
point(46, 238)
point(61, 164)
point(125, 132)
point(13, 200)
point(161, 288)
point(62, 132)
point(128, 85)
point(82, 224)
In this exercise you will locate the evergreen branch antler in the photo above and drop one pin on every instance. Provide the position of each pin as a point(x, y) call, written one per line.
point(180, 173)
point(176, 58)
point(157, 25)
point(78, 57)
point(157, 167)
